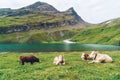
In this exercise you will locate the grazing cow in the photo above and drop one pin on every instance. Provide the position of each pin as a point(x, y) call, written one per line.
point(59, 60)
point(30, 59)
point(85, 56)
point(99, 58)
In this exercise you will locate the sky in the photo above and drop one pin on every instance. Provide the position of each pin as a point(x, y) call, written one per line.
point(92, 11)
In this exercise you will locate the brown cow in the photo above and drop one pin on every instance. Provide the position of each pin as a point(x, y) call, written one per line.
point(30, 59)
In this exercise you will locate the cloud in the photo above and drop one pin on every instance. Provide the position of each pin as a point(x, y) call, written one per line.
point(96, 11)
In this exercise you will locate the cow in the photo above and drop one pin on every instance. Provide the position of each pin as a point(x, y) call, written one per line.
point(99, 58)
point(29, 58)
point(59, 60)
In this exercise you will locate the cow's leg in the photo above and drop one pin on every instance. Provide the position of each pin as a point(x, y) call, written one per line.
point(63, 63)
point(94, 61)
point(22, 62)
point(31, 62)
point(57, 62)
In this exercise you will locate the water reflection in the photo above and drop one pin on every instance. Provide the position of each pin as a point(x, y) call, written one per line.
point(45, 47)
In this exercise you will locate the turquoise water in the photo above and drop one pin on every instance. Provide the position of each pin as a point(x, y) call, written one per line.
point(45, 47)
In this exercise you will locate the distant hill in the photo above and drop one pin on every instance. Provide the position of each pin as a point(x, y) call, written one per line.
point(5, 11)
point(107, 32)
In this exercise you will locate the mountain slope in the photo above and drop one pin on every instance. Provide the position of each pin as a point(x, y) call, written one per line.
point(37, 36)
point(107, 32)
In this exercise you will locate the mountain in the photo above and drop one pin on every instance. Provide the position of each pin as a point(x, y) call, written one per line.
point(38, 22)
point(41, 22)
point(39, 15)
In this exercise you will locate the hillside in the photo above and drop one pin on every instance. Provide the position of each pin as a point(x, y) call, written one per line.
point(37, 36)
point(107, 32)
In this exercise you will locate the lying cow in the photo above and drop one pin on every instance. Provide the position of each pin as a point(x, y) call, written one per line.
point(97, 57)
point(59, 60)
point(85, 56)
point(30, 59)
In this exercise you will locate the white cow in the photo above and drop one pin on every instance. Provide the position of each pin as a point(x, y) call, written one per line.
point(59, 60)
point(97, 57)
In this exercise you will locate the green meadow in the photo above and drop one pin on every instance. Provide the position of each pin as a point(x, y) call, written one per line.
point(75, 68)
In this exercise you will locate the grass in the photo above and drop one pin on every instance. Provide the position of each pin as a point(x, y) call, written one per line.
point(37, 36)
point(101, 34)
point(31, 19)
point(75, 68)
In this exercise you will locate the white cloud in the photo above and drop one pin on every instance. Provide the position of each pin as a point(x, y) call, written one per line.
point(93, 11)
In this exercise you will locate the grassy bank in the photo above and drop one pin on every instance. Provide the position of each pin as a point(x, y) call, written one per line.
point(75, 68)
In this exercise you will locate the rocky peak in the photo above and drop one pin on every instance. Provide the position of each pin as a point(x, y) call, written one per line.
point(71, 9)
point(72, 12)
point(40, 7)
